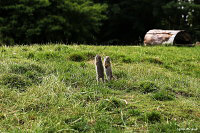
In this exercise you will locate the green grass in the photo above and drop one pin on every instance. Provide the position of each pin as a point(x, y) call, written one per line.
point(52, 88)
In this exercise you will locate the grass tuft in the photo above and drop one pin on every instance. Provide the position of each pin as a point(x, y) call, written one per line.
point(25, 49)
point(15, 81)
point(31, 56)
point(39, 49)
point(171, 127)
point(120, 74)
point(33, 72)
point(110, 104)
point(58, 49)
point(23, 68)
point(78, 123)
point(127, 60)
point(3, 50)
point(134, 112)
point(78, 57)
point(89, 55)
point(163, 95)
point(121, 84)
point(152, 117)
point(154, 60)
point(147, 87)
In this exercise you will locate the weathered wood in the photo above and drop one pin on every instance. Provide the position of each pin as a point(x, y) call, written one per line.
point(173, 37)
point(197, 44)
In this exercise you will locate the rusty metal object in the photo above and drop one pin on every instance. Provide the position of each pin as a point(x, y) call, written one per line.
point(173, 37)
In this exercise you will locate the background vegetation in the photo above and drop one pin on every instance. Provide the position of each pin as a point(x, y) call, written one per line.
point(52, 88)
point(94, 21)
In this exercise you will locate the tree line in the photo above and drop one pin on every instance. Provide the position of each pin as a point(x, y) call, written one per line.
point(94, 21)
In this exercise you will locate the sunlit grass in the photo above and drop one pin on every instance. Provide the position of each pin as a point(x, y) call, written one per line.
point(52, 88)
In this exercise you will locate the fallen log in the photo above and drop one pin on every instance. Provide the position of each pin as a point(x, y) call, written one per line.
point(168, 37)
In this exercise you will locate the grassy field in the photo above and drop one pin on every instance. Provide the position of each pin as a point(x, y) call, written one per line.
point(52, 88)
